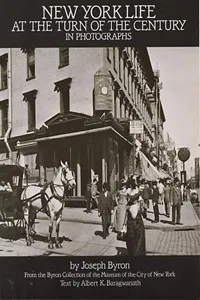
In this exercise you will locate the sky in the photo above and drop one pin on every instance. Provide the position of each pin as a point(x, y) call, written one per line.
point(179, 73)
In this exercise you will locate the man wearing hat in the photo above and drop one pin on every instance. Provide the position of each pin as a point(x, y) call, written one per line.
point(176, 200)
point(105, 209)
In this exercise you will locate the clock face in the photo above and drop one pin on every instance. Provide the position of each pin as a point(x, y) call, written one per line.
point(104, 90)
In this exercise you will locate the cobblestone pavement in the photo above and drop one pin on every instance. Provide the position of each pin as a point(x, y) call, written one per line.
point(178, 242)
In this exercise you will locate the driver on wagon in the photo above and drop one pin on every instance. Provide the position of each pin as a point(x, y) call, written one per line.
point(5, 186)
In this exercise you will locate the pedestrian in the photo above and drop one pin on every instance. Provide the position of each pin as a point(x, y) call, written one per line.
point(188, 190)
point(105, 208)
point(120, 213)
point(161, 191)
point(27, 173)
point(146, 195)
point(94, 191)
point(167, 198)
point(88, 197)
point(155, 200)
point(135, 235)
point(176, 200)
point(132, 187)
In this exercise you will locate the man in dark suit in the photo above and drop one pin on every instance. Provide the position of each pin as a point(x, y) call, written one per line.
point(155, 200)
point(105, 209)
point(146, 195)
point(176, 200)
point(88, 197)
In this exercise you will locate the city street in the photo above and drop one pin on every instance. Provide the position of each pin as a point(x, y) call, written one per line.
point(84, 236)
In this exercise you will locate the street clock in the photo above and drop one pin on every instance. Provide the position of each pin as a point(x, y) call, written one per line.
point(104, 90)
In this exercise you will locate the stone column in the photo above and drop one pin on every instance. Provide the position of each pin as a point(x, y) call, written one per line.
point(41, 163)
point(92, 167)
point(104, 162)
point(78, 172)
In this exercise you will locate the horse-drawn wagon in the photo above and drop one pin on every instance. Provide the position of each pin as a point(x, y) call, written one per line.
point(11, 213)
point(19, 205)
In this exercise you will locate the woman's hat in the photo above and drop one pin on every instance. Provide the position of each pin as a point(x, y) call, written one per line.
point(123, 181)
point(176, 180)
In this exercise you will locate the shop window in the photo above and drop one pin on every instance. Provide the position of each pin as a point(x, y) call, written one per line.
point(30, 98)
point(4, 70)
point(63, 57)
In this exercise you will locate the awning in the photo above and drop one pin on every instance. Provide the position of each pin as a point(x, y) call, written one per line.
point(164, 173)
point(149, 172)
point(83, 132)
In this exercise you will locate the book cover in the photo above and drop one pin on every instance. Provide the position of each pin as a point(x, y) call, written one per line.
point(99, 150)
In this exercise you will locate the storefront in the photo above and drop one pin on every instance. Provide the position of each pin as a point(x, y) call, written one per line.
point(90, 145)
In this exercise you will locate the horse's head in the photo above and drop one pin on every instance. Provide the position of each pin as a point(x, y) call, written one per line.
point(67, 176)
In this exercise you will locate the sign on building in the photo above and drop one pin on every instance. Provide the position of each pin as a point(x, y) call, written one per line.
point(136, 127)
point(102, 90)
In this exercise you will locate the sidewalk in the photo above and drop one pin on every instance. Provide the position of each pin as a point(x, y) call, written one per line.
point(188, 218)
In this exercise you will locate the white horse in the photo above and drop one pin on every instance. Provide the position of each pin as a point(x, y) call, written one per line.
point(49, 200)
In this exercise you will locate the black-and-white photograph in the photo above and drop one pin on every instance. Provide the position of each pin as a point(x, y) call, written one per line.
point(99, 151)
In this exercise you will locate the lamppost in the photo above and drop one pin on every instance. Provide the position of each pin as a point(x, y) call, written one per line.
point(183, 155)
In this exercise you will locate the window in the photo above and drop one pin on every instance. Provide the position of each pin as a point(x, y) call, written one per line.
point(4, 117)
point(63, 57)
point(64, 99)
point(108, 53)
point(31, 114)
point(63, 87)
point(124, 73)
point(114, 59)
point(4, 69)
point(30, 98)
point(120, 63)
point(115, 100)
point(30, 52)
point(128, 81)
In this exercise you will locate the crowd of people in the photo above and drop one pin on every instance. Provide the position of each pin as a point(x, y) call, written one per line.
point(125, 210)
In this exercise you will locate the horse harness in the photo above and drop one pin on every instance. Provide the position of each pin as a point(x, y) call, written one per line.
point(45, 199)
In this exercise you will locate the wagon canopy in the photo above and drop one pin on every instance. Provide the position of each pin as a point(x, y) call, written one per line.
point(9, 172)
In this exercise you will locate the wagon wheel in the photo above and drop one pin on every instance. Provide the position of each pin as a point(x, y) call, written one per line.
point(18, 223)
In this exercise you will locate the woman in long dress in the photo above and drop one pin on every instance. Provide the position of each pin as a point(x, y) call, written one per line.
point(167, 199)
point(120, 213)
point(135, 236)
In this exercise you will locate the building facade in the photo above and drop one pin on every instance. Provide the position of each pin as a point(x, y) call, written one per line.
point(75, 105)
